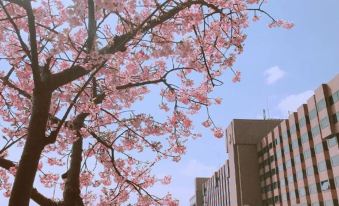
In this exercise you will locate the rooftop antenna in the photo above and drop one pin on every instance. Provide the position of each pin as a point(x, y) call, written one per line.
point(264, 113)
point(268, 110)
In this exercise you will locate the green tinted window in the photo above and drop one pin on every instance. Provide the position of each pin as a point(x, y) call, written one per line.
point(282, 182)
point(318, 148)
point(304, 138)
point(310, 171)
point(335, 96)
point(280, 168)
point(335, 160)
point(302, 192)
point(297, 159)
point(321, 104)
point(288, 164)
point(312, 114)
point(336, 181)
point(299, 175)
point(294, 128)
point(324, 123)
point(286, 148)
point(315, 131)
point(322, 166)
point(302, 122)
point(328, 203)
point(335, 117)
point(307, 154)
point(295, 144)
point(292, 195)
point(284, 135)
point(312, 189)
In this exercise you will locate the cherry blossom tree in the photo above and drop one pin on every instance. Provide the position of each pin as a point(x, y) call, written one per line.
point(71, 73)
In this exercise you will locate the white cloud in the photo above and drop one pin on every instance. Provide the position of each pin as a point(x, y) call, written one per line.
point(273, 74)
point(292, 102)
point(195, 168)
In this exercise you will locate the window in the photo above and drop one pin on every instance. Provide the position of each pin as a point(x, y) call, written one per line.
point(286, 148)
point(321, 104)
point(295, 144)
point(280, 168)
point(315, 204)
point(335, 160)
point(312, 189)
point(336, 181)
point(334, 97)
point(283, 182)
point(325, 185)
point(302, 192)
point(304, 138)
point(324, 122)
point(299, 175)
point(297, 159)
point(302, 122)
point(322, 166)
point(294, 128)
point(278, 153)
point(315, 131)
point(332, 142)
point(312, 114)
point(318, 148)
point(288, 163)
point(328, 203)
point(292, 194)
point(290, 179)
point(283, 197)
point(310, 171)
point(285, 135)
point(335, 117)
point(307, 154)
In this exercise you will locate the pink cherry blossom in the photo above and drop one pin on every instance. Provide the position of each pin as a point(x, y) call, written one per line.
point(75, 78)
point(218, 132)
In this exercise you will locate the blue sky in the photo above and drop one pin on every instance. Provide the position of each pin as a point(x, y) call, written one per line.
point(280, 69)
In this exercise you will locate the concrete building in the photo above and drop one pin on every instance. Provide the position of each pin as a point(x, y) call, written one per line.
point(197, 199)
point(282, 162)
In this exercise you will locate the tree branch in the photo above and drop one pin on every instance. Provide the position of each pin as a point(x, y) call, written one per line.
point(72, 185)
point(66, 76)
point(36, 196)
point(33, 43)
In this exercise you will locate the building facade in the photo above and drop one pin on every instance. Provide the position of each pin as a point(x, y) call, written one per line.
point(197, 199)
point(299, 159)
point(282, 162)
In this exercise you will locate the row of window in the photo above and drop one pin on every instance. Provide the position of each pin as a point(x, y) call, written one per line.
point(334, 161)
point(310, 171)
point(321, 104)
point(334, 98)
point(299, 141)
point(324, 185)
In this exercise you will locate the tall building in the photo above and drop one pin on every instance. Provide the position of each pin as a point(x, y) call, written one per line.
point(282, 162)
point(197, 199)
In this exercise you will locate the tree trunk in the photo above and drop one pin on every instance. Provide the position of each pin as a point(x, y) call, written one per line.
point(72, 185)
point(35, 142)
